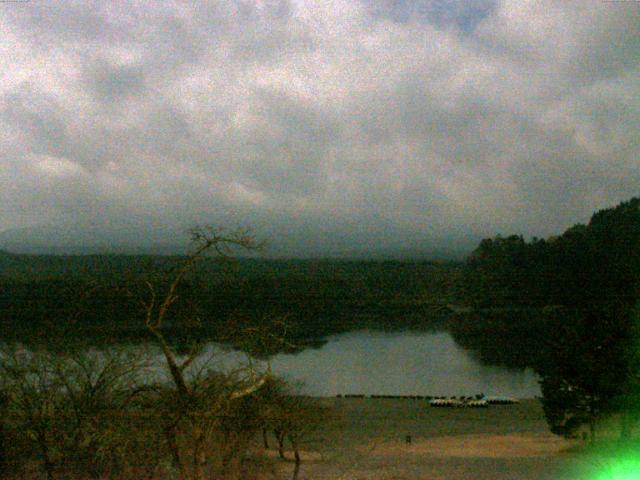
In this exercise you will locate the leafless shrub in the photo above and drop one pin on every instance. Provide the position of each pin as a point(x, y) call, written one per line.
point(61, 409)
point(289, 416)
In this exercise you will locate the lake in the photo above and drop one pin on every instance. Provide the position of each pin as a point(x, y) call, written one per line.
point(400, 363)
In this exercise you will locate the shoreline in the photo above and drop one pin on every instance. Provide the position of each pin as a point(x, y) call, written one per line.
point(386, 438)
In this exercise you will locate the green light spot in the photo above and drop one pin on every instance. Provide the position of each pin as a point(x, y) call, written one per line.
point(623, 469)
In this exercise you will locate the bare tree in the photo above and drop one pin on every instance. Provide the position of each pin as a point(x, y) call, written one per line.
point(82, 410)
point(98, 387)
point(291, 417)
point(193, 409)
point(60, 406)
point(33, 403)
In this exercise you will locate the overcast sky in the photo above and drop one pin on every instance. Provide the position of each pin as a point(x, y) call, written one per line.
point(331, 126)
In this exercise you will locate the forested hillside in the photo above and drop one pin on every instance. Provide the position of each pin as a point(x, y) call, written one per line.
point(97, 294)
point(567, 306)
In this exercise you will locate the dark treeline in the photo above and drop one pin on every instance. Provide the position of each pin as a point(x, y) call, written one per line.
point(96, 295)
point(597, 263)
point(566, 306)
point(512, 285)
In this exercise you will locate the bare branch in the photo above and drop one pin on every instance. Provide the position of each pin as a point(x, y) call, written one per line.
point(254, 387)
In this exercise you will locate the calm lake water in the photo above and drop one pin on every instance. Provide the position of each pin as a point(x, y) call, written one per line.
point(401, 363)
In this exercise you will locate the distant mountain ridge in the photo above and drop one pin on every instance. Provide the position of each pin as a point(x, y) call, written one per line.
point(146, 239)
point(88, 240)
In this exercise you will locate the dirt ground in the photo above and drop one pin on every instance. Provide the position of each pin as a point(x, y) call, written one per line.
point(367, 440)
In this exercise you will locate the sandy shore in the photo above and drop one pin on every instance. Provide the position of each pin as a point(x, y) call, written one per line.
point(368, 442)
point(479, 446)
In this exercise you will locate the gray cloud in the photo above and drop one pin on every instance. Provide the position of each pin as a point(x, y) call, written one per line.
point(462, 14)
point(333, 127)
point(112, 83)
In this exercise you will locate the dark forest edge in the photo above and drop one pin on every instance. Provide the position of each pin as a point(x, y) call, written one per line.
point(568, 306)
point(83, 296)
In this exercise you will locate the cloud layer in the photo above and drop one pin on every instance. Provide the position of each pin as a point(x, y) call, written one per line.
point(333, 127)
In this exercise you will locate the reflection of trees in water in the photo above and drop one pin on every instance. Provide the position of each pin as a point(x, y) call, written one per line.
point(306, 330)
point(499, 338)
point(509, 338)
point(79, 296)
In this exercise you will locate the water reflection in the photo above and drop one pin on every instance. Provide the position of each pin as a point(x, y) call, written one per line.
point(372, 362)
point(402, 363)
